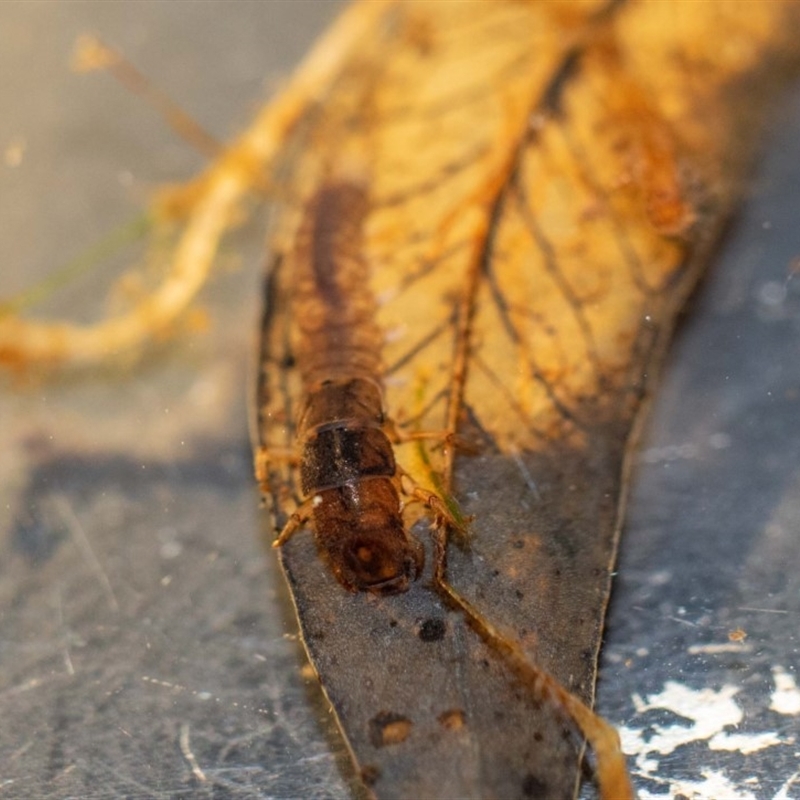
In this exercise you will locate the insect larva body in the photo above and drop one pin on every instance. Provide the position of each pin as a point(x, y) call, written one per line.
point(347, 467)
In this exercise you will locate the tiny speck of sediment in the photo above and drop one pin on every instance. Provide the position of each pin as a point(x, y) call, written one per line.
point(387, 728)
point(453, 719)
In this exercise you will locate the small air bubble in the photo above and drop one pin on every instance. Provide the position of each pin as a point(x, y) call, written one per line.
point(660, 578)
point(772, 293)
point(15, 152)
point(719, 441)
point(171, 549)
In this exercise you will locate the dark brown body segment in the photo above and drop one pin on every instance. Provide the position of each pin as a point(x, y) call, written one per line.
point(347, 468)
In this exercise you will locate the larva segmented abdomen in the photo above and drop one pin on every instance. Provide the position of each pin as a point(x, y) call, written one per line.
point(333, 303)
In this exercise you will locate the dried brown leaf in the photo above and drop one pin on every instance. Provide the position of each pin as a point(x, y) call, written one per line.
point(545, 182)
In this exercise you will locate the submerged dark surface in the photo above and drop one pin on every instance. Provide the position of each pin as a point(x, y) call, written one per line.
point(143, 627)
point(707, 594)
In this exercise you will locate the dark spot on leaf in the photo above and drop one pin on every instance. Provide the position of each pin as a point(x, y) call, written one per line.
point(538, 736)
point(370, 773)
point(247, 621)
point(432, 630)
point(533, 786)
point(453, 719)
point(35, 540)
point(288, 361)
point(387, 728)
point(392, 623)
point(519, 594)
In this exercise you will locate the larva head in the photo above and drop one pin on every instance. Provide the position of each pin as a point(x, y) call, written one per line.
point(360, 529)
point(380, 561)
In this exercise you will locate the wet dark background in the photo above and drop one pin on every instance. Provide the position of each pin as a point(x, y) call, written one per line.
point(147, 644)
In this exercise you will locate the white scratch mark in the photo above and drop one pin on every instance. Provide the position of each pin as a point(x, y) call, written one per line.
point(783, 792)
point(147, 791)
point(526, 474)
point(683, 621)
point(786, 697)
point(82, 540)
point(189, 755)
point(203, 695)
point(33, 683)
point(70, 667)
point(724, 647)
point(19, 752)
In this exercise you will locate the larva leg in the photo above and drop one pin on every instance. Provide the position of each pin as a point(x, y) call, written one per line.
point(295, 522)
point(397, 435)
point(443, 514)
point(264, 457)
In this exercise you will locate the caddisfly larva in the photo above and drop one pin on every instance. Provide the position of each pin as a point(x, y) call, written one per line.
point(350, 481)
